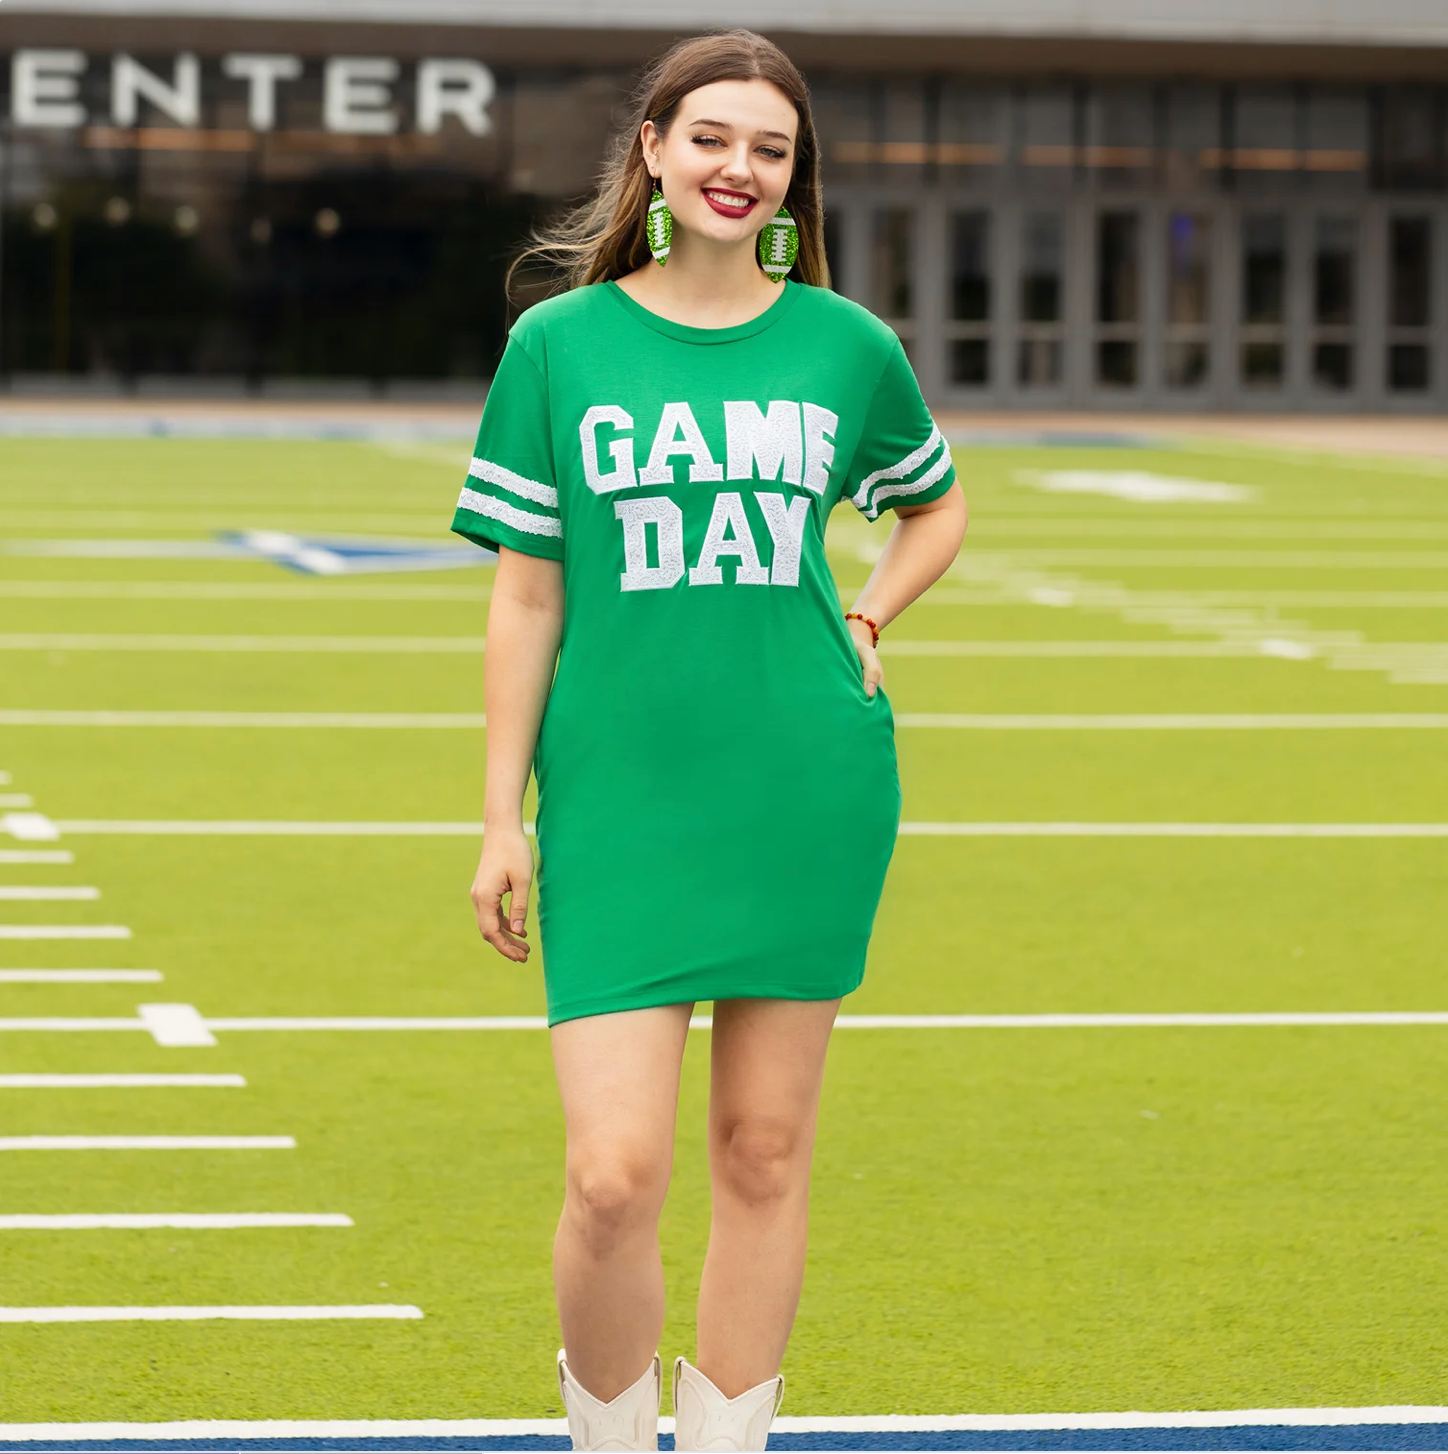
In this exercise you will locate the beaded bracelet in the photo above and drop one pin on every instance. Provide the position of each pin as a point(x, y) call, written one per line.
point(874, 630)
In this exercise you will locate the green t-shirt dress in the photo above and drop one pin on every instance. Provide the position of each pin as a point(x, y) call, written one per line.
point(717, 797)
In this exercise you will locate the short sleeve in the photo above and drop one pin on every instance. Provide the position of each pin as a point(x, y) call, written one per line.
point(901, 458)
point(511, 496)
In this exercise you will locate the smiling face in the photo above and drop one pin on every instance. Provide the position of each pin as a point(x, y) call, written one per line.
point(726, 162)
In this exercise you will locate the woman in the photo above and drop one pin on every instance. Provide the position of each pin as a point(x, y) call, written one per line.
point(718, 798)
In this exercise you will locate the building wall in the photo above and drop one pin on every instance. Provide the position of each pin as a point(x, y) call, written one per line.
point(1387, 22)
point(1088, 223)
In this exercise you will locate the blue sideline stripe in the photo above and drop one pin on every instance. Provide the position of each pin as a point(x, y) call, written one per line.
point(1240, 1437)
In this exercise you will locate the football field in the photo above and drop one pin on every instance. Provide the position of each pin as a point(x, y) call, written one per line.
point(1143, 1104)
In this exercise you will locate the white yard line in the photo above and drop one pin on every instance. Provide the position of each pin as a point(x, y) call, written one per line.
point(38, 855)
point(16, 800)
point(80, 976)
point(1373, 654)
point(235, 591)
point(131, 1080)
point(375, 1022)
point(372, 645)
point(244, 828)
point(1423, 560)
point(175, 1025)
point(1397, 600)
point(1247, 648)
point(1331, 600)
point(1193, 527)
point(180, 1221)
point(466, 721)
point(47, 893)
point(195, 1430)
point(1233, 618)
point(147, 1143)
point(1140, 1022)
point(1176, 830)
point(200, 1314)
point(68, 1024)
point(969, 721)
point(28, 827)
point(64, 931)
point(1174, 721)
point(275, 828)
point(413, 1024)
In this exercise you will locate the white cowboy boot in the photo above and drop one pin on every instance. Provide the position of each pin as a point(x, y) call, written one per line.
point(705, 1422)
point(630, 1421)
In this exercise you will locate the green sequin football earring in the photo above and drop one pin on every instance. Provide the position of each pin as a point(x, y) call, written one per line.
point(778, 246)
point(659, 224)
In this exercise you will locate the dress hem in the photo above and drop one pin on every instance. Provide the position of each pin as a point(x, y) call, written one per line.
point(651, 1001)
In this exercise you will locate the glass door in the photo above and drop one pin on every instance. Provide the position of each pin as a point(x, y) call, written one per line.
point(892, 271)
point(1335, 249)
point(1263, 335)
point(968, 330)
point(1041, 296)
point(1409, 362)
point(1187, 354)
point(1117, 352)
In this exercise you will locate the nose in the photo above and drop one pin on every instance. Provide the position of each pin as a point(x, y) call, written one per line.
point(735, 167)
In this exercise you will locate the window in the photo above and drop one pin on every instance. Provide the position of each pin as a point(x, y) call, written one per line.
point(1410, 313)
point(1193, 141)
point(1121, 137)
point(973, 128)
point(1118, 297)
point(1188, 299)
point(892, 266)
point(1045, 137)
point(1265, 156)
point(970, 299)
point(1334, 301)
point(1042, 247)
point(1336, 159)
point(1264, 299)
point(1409, 158)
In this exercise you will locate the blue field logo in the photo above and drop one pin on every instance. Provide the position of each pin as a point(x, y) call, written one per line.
point(317, 555)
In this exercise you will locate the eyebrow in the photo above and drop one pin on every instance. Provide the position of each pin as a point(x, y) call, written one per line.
point(725, 126)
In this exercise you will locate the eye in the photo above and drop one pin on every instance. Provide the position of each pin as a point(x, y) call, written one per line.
point(707, 141)
point(773, 153)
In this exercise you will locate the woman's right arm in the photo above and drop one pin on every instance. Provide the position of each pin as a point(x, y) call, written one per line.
point(525, 624)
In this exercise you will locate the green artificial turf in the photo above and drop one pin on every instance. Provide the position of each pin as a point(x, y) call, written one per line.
point(1003, 1220)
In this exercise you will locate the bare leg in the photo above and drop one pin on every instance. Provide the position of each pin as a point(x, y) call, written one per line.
point(768, 1065)
point(619, 1079)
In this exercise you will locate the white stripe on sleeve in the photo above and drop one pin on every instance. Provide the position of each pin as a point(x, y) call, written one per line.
point(911, 487)
point(911, 462)
point(495, 474)
point(507, 514)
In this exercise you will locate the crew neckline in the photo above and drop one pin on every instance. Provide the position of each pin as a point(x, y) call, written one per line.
point(687, 333)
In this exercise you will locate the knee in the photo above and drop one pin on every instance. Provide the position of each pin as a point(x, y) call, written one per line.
point(613, 1193)
point(759, 1160)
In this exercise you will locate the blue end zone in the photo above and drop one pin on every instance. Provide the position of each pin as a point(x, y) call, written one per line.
point(1247, 1436)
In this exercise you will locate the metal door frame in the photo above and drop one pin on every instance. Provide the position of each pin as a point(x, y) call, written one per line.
point(1223, 390)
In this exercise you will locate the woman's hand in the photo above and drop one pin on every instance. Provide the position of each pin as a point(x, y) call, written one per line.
point(870, 668)
point(506, 867)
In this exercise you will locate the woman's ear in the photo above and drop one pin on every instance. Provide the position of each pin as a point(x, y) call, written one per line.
point(649, 141)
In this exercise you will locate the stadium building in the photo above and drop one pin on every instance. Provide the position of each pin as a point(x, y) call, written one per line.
point(1095, 205)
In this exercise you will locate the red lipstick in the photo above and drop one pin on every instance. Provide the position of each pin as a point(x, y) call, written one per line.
point(740, 208)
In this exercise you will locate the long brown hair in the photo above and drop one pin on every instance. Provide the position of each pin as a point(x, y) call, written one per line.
point(605, 237)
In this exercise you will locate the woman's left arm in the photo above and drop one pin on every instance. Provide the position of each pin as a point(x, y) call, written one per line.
point(921, 547)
